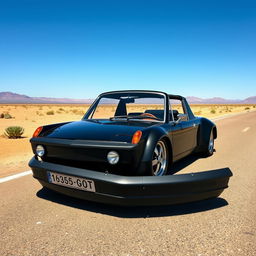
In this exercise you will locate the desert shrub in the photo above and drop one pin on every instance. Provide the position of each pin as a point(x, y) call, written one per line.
point(6, 116)
point(14, 132)
point(213, 111)
point(254, 106)
point(198, 112)
point(247, 108)
point(51, 112)
point(39, 113)
point(61, 109)
point(77, 112)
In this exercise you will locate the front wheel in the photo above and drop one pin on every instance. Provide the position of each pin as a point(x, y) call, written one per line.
point(160, 159)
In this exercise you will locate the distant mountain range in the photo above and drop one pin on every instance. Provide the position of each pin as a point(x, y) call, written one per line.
point(10, 97)
point(218, 100)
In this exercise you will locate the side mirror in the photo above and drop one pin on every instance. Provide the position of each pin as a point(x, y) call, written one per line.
point(177, 121)
point(183, 117)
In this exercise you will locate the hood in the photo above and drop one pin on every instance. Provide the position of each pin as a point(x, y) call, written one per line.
point(102, 130)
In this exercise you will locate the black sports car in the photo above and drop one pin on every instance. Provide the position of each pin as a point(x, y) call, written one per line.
point(124, 137)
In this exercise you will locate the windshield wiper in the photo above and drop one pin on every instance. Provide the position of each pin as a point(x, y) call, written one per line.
point(92, 120)
point(118, 117)
point(133, 117)
point(142, 117)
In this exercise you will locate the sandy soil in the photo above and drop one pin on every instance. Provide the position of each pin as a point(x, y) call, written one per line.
point(15, 153)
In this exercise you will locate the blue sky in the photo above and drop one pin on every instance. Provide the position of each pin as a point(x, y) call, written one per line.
point(79, 49)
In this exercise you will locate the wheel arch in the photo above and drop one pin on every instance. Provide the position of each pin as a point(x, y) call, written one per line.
point(153, 137)
point(214, 129)
point(205, 129)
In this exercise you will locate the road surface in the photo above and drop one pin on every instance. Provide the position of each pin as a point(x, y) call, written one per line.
point(37, 222)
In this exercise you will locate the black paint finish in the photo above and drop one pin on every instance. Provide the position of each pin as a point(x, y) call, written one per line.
point(140, 190)
point(84, 145)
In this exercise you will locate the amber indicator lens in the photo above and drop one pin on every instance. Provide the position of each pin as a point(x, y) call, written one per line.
point(37, 131)
point(136, 137)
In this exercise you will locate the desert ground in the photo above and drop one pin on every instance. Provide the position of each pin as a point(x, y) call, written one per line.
point(15, 153)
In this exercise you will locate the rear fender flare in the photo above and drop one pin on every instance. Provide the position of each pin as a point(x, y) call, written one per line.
point(204, 131)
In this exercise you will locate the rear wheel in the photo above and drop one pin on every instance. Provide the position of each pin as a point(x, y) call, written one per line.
point(210, 147)
point(160, 159)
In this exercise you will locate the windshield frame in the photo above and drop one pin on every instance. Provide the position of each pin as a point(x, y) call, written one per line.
point(125, 94)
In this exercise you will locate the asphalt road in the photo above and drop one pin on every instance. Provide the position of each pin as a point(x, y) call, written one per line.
point(36, 222)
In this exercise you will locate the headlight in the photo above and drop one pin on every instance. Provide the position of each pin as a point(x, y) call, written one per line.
point(113, 157)
point(40, 150)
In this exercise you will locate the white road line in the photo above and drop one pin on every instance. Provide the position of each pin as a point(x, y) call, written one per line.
point(246, 129)
point(15, 176)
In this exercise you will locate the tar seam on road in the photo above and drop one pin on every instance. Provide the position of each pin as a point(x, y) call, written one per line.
point(19, 175)
point(15, 176)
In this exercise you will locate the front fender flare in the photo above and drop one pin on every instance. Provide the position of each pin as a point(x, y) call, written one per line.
point(153, 136)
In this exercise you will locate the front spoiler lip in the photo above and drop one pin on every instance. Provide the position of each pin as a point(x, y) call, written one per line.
point(138, 190)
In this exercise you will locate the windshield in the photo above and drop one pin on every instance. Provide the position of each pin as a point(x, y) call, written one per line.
point(128, 106)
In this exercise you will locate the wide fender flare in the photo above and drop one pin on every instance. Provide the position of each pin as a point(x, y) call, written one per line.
point(206, 126)
point(153, 136)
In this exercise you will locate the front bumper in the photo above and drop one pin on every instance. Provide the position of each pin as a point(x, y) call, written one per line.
point(137, 190)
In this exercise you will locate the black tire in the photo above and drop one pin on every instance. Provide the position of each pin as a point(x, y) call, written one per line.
point(210, 147)
point(160, 159)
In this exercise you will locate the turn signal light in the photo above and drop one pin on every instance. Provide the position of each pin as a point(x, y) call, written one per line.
point(37, 131)
point(136, 137)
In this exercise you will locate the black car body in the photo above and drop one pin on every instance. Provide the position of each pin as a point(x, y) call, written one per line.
point(110, 159)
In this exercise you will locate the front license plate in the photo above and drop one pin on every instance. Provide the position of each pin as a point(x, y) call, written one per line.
point(71, 181)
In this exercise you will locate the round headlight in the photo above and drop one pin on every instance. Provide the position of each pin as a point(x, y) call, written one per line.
point(40, 150)
point(113, 157)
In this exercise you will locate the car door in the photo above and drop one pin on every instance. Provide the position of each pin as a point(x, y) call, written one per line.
point(176, 133)
point(189, 129)
point(184, 131)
